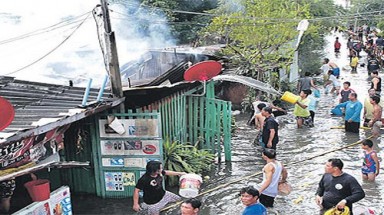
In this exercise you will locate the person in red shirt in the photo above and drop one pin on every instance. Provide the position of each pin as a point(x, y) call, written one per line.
point(337, 45)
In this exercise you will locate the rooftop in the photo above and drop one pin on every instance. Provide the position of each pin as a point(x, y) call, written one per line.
point(40, 107)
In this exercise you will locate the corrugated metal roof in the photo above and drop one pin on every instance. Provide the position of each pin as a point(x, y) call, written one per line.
point(46, 106)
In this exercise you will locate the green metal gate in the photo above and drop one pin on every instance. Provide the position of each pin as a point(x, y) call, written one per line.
point(187, 117)
point(120, 158)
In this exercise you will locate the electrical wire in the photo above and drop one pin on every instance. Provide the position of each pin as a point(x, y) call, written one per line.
point(58, 25)
point(54, 49)
point(134, 18)
point(253, 18)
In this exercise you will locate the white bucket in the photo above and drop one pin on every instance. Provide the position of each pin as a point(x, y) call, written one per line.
point(190, 185)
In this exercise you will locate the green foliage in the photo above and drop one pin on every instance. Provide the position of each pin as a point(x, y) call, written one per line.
point(259, 34)
point(185, 158)
point(233, 125)
point(367, 7)
point(380, 25)
point(310, 49)
point(184, 26)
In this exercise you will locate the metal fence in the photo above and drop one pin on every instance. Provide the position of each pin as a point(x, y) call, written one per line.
point(196, 118)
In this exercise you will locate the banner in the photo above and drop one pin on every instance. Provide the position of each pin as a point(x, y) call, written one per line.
point(32, 149)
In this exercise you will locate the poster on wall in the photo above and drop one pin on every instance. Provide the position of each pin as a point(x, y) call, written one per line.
point(130, 147)
point(146, 147)
point(113, 162)
point(132, 128)
point(129, 179)
point(59, 203)
point(113, 181)
point(134, 162)
point(112, 147)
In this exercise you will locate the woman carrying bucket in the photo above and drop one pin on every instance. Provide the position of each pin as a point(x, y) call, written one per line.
point(301, 111)
point(151, 183)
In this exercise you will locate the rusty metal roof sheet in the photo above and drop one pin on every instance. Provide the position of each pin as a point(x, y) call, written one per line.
point(40, 107)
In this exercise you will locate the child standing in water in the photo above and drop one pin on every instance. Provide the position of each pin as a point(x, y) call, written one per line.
point(371, 165)
point(337, 45)
point(354, 63)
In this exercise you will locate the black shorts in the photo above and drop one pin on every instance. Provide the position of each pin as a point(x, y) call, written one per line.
point(352, 127)
point(312, 115)
point(6, 188)
point(267, 201)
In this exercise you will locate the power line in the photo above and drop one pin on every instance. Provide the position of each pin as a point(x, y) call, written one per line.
point(277, 20)
point(253, 18)
point(54, 49)
point(45, 29)
point(134, 18)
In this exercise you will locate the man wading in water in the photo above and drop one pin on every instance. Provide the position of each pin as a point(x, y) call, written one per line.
point(337, 188)
point(271, 178)
point(270, 134)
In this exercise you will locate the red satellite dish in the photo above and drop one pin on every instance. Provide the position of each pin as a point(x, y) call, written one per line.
point(7, 113)
point(202, 71)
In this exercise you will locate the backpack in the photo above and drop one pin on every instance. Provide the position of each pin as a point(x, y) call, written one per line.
point(357, 47)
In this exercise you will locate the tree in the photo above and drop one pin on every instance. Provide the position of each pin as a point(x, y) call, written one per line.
point(310, 50)
point(259, 35)
point(183, 16)
point(368, 11)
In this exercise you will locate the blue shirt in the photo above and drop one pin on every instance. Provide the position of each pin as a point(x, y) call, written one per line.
point(352, 110)
point(312, 103)
point(256, 209)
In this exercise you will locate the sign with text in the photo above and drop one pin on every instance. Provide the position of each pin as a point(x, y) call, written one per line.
point(59, 203)
point(31, 149)
point(127, 142)
point(130, 147)
point(114, 181)
point(133, 128)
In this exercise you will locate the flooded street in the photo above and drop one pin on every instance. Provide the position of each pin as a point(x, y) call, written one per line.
point(298, 145)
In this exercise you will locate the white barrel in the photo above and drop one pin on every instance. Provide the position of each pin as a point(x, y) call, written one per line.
point(190, 185)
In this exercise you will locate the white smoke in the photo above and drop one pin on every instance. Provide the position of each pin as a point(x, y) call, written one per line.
point(80, 57)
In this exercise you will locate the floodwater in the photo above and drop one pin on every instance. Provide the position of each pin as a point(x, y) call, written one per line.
point(297, 145)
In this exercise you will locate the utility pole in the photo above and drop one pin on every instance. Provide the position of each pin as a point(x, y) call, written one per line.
point(111, 52)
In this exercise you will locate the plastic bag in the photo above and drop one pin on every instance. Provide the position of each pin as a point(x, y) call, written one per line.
point(284, 189)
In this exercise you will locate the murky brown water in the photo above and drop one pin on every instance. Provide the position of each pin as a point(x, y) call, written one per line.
point(296, 145)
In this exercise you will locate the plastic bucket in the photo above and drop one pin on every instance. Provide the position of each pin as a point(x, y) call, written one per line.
point(39, 189)
point(290, 97)
point(190, 185)
point(335, 211)
point(337, 111)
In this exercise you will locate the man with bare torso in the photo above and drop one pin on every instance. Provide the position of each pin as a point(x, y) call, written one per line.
point(376, 122)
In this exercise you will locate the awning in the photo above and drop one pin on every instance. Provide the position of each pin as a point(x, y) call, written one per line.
point(52, 161)
point(250, 82)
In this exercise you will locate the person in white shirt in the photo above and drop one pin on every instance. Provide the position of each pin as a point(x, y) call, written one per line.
point(272, 172)
point(325, 68)
point(334, 81)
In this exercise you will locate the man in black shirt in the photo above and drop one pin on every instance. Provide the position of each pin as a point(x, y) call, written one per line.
point(270, 135)
point(336, 188)
point(154, 195)
point(373, 64)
